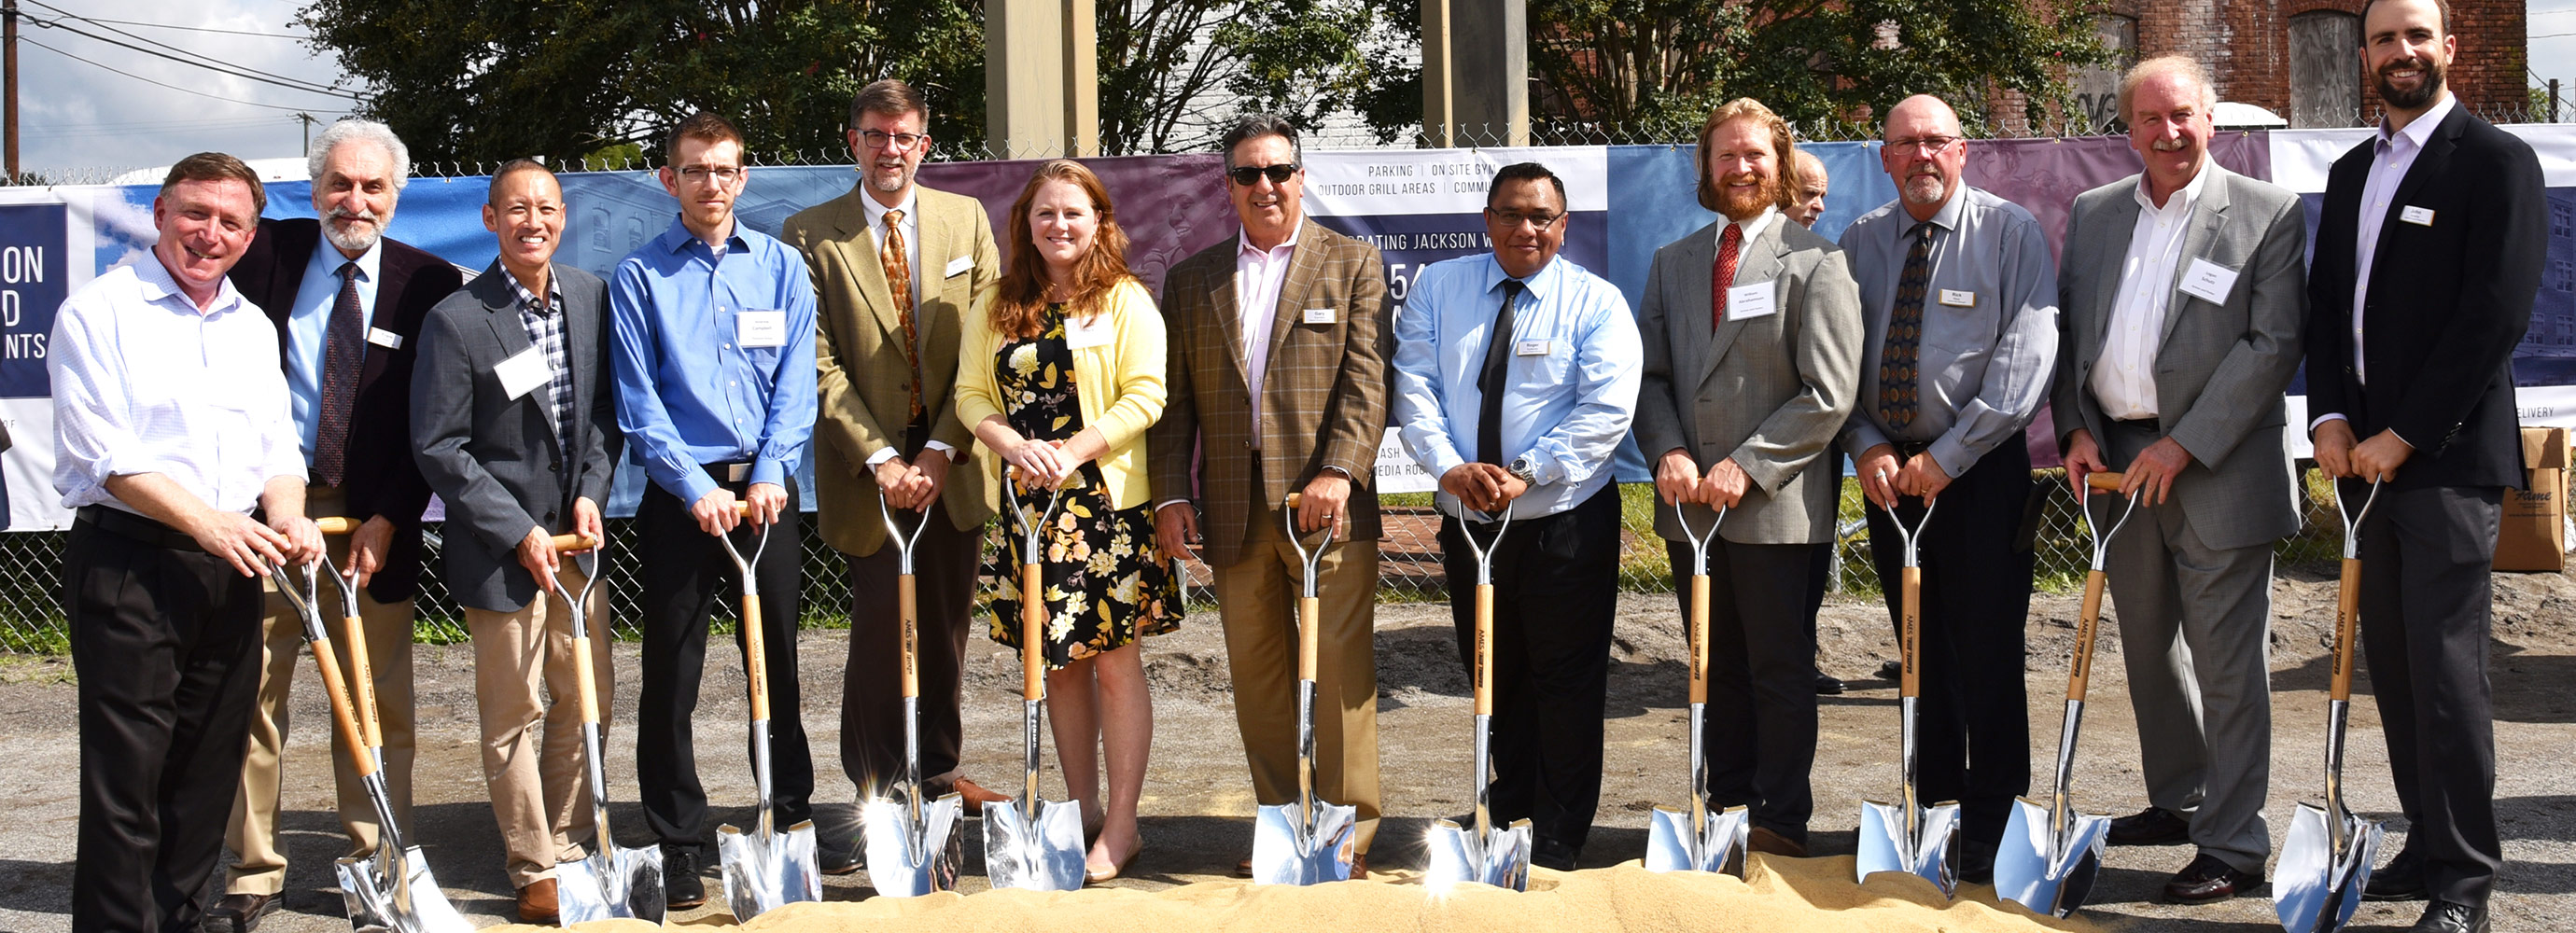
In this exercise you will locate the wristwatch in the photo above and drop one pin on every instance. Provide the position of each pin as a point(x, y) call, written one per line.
point(1525, 469)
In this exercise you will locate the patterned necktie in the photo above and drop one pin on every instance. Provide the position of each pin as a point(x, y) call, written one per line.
point(1897, 381)
point(344, 349)
point(898, 270)
point(1722, 275)
point(1490, 383)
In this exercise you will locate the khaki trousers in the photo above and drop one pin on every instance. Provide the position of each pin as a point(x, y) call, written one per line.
point(1257, 597)
point(252, 832)
point(540, 797)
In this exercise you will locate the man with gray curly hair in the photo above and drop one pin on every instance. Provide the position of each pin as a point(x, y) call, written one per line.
point(347, 302)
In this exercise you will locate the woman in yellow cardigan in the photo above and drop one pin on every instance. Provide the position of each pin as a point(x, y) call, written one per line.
point(1060, 379)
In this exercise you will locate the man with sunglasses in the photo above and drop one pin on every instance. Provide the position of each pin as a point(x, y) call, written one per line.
point(1959, 305)
point(1277, 381)
point(712, 350)
point(1516, 379)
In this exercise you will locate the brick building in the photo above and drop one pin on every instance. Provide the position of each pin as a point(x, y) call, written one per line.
point(2299, 59)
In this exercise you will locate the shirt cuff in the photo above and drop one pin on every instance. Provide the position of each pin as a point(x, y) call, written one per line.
point(882, 455)
point(2322, 419)
point(1168, 503)
point(773, 472)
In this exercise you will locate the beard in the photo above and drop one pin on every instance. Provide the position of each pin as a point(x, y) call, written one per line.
point(1925, 188)
point(877, 180)
point(1739, 204)
point(2424, 92)
point(355, 239)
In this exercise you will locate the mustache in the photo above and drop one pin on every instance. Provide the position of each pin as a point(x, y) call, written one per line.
point(342, 212)
point(2169, 145)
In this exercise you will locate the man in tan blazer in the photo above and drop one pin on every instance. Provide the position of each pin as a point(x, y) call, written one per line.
point(895, 266)
point(1293, 309)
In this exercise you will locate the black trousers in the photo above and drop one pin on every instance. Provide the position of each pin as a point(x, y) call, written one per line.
point(1973, 740)
point(166, 644)
point(1555, 595)
point(2427, 598)
point(1761, 719)
point(685, 571)
point(944, 567)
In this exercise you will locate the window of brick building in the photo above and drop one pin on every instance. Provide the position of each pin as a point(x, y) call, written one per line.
point(2325, 69)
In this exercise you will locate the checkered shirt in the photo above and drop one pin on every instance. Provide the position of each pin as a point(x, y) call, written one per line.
point(544, 320)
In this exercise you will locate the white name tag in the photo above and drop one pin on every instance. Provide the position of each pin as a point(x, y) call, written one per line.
point(1531, 348)
point(384, 338)
point(959, 265)
point(1744, 301)
point(760, 328)
point(2208, 281)
point(2415, 215)
point(1095, 332)
point(523, 372)
point(1319, 316)
point(1958, 299)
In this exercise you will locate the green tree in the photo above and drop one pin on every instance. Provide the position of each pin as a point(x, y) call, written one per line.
point(1171, 71)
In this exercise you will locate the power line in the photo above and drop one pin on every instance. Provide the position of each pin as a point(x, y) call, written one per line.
point(183, 51)
point(173, 87)
point(230, 32)
point(202, 61)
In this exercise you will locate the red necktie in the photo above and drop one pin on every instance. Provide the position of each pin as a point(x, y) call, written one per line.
point(1722, 276)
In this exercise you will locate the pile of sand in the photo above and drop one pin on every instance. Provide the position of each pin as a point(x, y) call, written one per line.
point(1803, 895)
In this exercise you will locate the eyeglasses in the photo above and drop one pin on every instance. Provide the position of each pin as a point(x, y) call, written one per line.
point(1931, 145)
point(1246, 175)
point(1513, 219)
point(876, 139)
point(699, 174)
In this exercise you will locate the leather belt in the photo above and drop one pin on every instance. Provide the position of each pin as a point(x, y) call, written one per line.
point(2148, 425)
point(136, 527)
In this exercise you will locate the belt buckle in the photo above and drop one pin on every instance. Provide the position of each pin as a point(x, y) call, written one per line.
point(737, 472)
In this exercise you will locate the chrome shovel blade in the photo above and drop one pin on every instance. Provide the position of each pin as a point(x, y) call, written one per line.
point(1933, 856)
point(2049, 876)
point(1032, 852)
point(1285, 852)
point(614, 882)
point(1500, 859)
point(2316, 889)
point(392, 890)
point(1719, 847)
point(908, 859)
point(764, 873)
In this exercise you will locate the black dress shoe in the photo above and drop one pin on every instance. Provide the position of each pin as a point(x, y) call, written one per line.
point(1977, 860)
point(838, 859)
point(239, 913)
point(2447, 917)
point(2153, 826)
point(1828, 685)
point(2207, 879)
point(681, 889)
point(2402, 879)
point(1552, 854)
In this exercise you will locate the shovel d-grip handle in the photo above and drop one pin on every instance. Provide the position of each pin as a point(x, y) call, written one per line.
point(341, 525)
point(2105, 480)
point(755, 656)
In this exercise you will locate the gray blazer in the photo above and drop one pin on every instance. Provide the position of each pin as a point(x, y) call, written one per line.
point(493, 459)
point(2221, 369)
point(1770, 392)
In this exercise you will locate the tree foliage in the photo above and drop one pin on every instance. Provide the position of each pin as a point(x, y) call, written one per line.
point(1171, 71)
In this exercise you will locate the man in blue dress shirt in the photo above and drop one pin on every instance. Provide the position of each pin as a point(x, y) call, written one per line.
point(712, 349)
point(1516, 378)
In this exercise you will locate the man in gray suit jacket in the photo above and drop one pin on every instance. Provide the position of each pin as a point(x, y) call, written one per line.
point(1752, 337)
point(2183, 296)
point(514, 429)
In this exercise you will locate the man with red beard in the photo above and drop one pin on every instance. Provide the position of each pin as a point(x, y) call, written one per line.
point(1960, 306)
point(2428, 253)
point(1752, 334)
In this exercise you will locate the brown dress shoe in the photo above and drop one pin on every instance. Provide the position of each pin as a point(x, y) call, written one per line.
point(1359, 867)
point(976, 796)
point(2208, 879)
point(1243, 869)
point(1767, 842)
point(240, 913)
point(537, 901)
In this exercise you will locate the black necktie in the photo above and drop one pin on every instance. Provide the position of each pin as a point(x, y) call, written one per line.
point(343, 349)
point(1490, 383)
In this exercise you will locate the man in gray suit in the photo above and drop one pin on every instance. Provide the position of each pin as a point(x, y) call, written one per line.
point(1752, 340)
point(512, 425)
point(2184, 296)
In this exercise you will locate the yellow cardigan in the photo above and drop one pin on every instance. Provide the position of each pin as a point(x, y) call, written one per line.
point(1119, 386)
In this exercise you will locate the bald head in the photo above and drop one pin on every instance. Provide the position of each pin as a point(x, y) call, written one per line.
point(1808, 202)
point(1919, 115)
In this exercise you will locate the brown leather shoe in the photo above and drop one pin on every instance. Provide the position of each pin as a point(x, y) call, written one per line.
point(1768, 842)
point(976, 796)
point(1243, 869)
point(239, 913)
point(2207, 879)
point(537, 901)
point(1359, 867)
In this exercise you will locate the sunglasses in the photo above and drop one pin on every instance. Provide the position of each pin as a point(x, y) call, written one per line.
point(1246, 175)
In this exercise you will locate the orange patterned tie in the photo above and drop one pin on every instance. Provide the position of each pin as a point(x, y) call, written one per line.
point(898, 272)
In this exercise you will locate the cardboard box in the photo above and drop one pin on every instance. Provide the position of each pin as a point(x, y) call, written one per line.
point(2534, 536)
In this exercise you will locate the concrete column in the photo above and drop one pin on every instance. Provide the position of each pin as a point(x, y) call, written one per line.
point(1475, 72)
point(1041, 78)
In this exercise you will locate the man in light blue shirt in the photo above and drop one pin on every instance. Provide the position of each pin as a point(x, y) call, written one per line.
point(712, 351)
point(1516, 379)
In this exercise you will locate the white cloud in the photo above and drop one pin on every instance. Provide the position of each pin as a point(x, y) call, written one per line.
point(82, 120)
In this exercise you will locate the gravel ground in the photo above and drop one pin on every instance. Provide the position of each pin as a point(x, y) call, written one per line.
point(1198, 803)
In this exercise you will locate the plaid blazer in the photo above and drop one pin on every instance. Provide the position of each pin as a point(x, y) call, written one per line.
point(1324, 389)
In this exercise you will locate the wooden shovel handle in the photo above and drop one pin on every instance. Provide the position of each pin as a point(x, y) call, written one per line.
point(1033, 616)
point(1910, 635)
point(1483, 675)
point(1699, 638)
point(351, 739)
point(582, 675)
point(2347, 618)
point(2105, 481)
point(363, 687)
point(755, 658)
point(2087, 622)
point(904, 609)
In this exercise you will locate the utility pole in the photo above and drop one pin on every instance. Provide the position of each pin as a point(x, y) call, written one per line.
point(9, 76)
point(2553, 99)
point(305, 118)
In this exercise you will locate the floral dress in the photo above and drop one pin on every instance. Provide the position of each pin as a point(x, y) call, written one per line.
point(1107, 583)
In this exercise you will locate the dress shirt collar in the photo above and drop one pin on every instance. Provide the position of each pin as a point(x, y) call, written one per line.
point(2420, 129)
point(156, 283)
point(328, 258)
point(1947, 217)
point(2183, 200)
point(1752, 228)
point(1243, 242)
point(876, 210)
point(528, 300)
point(1537, 286)
point(678, 237)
